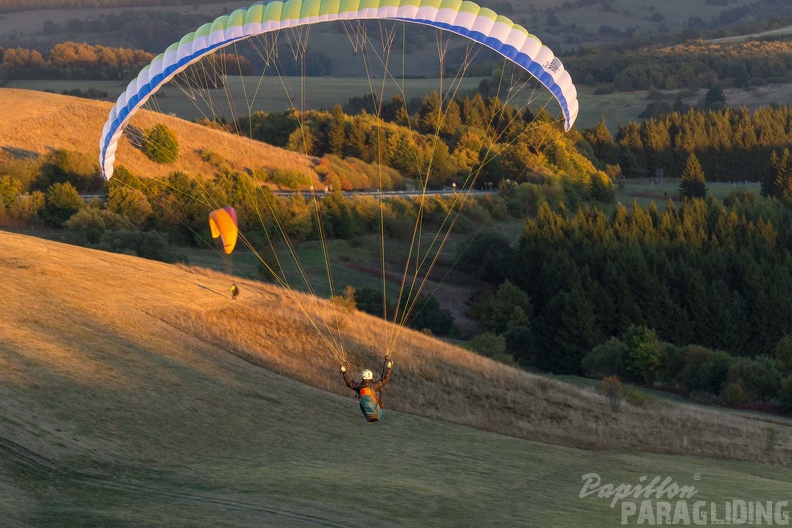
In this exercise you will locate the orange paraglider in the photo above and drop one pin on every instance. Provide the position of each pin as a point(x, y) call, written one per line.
point(223, 223)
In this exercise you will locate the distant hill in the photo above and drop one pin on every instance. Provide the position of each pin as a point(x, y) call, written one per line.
point(35, 123)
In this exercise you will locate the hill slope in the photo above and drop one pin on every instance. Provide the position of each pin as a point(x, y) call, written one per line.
point(35, 123)
point(124, 401)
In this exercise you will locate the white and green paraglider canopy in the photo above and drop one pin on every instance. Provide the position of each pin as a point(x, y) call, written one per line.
point(460, 17)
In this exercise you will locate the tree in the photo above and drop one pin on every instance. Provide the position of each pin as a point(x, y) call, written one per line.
point(692, 184)
point(783, 354)
point(62, 201)
point(430, 114)
point(89, 224)
point(507, 308)
point(130, 203)
point(9, 189)
point(715, 98)
point(160, 144)
point(644, 353)
point(780, 184)
point(336, 136)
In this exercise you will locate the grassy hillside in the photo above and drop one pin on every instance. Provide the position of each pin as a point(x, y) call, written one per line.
point(132, 395)
point(36, 123)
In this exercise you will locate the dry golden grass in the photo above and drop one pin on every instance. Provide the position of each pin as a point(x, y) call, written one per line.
point(82, 313)
point(441, 381)
point(35, 123)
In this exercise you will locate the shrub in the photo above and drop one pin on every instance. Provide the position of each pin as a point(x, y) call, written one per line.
point(612, 389)
point(488, 344)
point(759, 378)
point(346, 301)
point(783, 354)
point(370, 300)
point(9, 189)
point(670, 372)
point(694, 358)
point(151, 245)
point(61, 202)
point(785, 394)
point(287, 178)
point(76, 168)
point(713, 372)
point(605, 359)
point(89, 224)
point(644, 353)
point(427, 314)
point(129, 203)
point(160, 144)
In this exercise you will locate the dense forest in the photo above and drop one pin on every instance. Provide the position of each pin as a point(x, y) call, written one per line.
point(693, 65)
point(732, 144)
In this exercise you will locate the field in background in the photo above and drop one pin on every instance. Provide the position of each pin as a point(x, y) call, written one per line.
point(325, 92)
point(645, 191)
point(133, 394)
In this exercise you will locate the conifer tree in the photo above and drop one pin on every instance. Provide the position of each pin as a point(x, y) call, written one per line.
point(692, 184)
point(336, 136)
point(781, 183)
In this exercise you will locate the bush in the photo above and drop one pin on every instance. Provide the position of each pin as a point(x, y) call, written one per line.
point(489, 344)
point(89, 224)
point(713, 372)
point(605, 359)
point(612, 389)
point(75, 168)
point(783, 354)
point(644, 353)
point(130, 203)
point(759, 378)
point(785, 394)
point(151, 245)
point(9, 189)
point(160, 144)
point(670, 373)
point(287, 178)
point(694, 359)
point(61, 202)
point(427, 314)
point(370, 300)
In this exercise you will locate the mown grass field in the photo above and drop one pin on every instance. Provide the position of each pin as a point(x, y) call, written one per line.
point(645, 191)
point(138, 394)
point(325, 92)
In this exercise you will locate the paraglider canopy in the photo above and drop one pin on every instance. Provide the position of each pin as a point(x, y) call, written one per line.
point(223, 223)
point(460, 17)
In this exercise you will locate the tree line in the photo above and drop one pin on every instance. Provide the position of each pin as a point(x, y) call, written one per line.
point(442, 143)
point(732, 144)
point(708, 273)
point(71, 60)
point(693, 65)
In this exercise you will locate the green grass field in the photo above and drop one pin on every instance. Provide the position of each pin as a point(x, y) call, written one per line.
point(646, 191)
point(271, 94)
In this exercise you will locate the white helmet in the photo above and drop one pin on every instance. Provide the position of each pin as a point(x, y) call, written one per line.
point(367, 374)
